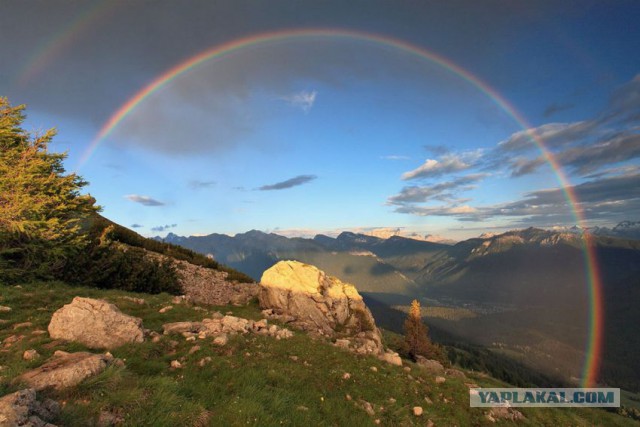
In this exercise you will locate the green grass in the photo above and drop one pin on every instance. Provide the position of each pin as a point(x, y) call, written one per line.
point(253, 380)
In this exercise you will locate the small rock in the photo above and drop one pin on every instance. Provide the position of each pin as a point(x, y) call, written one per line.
point(377, 421)
point(455, 373)
point(429, 401)
point(22, 325)
point(294, 358)
point(221, 340)
point(4, 309)
point(374, 369)
point(38, 332)
point(430, 423)
point(165, 309)
point(417, 411)
point(392, 400)
point(440, 380)
point(348, 397)
point(179, 299)
point(432, 366)
point(343, 343)
point(30, 355)
point(138, 301)
point(65, 370)
point(368, 407)
point(302, 408)
point(191, 338)
point(176, 364)
point(204, 361)
point(194, 349)
point(346, 376)
point(407, 369)
point(156, 339)
point(391, 357)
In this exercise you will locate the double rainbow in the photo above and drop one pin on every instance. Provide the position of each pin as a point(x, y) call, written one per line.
point(595, 326)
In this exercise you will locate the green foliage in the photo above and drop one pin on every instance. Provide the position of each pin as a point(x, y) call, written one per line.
point(123, 235)
point(416, 335)
point(40, 206)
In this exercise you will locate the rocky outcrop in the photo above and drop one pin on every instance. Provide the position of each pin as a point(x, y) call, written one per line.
point(95, 323)
point(320, 304)
point(65, 370)
point(207, 286)
point(23, 409)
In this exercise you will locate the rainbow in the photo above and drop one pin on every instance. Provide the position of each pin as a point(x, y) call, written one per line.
point(594, 342)
point(63, 39)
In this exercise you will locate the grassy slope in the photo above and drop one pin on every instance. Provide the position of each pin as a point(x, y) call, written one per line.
point(251, 381)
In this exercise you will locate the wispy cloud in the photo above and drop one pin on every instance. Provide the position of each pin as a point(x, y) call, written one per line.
point(441, 191)
point(161, 228)
point(144, 200)
point(289, 183)
point(447, 164)
point(195, 184)
point(303, 100)
point(395, 157)
point(136, 225)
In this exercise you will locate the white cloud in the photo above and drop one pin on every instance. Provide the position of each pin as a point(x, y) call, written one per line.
point(303, 100)
point(448, 163)
point(144, 200)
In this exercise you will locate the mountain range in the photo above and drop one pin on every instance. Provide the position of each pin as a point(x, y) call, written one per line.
point(521, 294)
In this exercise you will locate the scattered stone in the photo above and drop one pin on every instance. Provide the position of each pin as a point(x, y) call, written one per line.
point(30, 355)
point(377, 421)
point(110, 419)
point(38, 332)
point(417, 411)
point(23, 409)
point(430, 423)
point(374, 369)
point(176, 364)
point(165, 309)
point(407, 369)
point(4, 309)
point(191, 338)
point(430, 365)
point(156, 339)
point(346, 376)
point(179, 299)
point(11, 340)
point(180, 327)
point(343, 343)
point(22, 325)
point(194, 349)
point(455, 373)
point(65, 370)
point(221, 340)
point(294, 358)
point(392, 400)
point(429, 401)
point(368, 407)
point(391, 357)
point(504, 413)
point(440, 380)
point(138, 301)
point(204, 361)
point(348, 397)
point(95, 323)
point(235, 324)
point(302, 408)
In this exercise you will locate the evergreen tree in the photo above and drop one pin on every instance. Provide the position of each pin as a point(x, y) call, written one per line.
point(41, 207)
point(416, 336)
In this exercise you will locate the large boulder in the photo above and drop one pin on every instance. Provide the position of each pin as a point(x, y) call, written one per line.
point(65, 370)
point(319, 303)
point(95, 323)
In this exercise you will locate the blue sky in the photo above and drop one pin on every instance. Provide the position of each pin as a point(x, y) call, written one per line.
point(325, 134)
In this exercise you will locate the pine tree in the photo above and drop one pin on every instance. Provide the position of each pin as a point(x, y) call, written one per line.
point(41, 207)
point(416, 335)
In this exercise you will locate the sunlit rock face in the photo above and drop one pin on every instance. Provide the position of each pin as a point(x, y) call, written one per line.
point(319, 303)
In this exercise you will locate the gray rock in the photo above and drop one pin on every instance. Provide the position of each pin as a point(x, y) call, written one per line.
point(95, 323)
point(65, 370)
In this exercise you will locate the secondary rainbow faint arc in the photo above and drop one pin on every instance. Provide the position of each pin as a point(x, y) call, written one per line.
point(593, 350)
